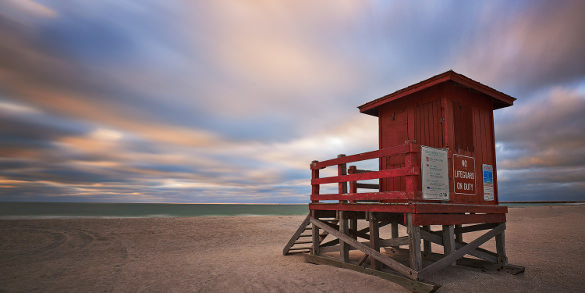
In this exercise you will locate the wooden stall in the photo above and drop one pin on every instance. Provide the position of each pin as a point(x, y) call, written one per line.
point(436, 176)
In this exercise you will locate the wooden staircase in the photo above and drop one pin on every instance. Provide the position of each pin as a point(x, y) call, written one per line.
point(301, 241)
point(299, 237)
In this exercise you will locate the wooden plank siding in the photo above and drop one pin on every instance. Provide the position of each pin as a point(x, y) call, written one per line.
point(483, 150)
point(447, 115)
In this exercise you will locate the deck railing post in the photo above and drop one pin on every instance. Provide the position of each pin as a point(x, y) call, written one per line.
point(342, 170)
point(411, 163)
point(314, 175)
point(352, 184)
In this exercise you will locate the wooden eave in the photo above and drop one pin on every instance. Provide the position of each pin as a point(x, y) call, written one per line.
point(500, 100)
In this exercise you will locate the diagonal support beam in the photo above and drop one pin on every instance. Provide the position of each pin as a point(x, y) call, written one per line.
point(457, 254)
point(393, 264)
point(383, 243)
point(478, 252)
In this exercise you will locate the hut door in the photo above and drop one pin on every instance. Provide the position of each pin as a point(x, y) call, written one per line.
point(429, 124)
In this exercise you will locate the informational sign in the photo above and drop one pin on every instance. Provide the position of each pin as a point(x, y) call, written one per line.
point(435, 173)
point(464, 175)
point(488, 182)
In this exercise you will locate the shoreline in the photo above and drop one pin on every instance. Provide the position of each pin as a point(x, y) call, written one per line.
point(22, 211)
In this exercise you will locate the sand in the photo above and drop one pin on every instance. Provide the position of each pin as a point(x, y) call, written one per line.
point(244, 254)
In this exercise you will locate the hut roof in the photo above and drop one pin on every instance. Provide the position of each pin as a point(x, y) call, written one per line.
point(500, 100)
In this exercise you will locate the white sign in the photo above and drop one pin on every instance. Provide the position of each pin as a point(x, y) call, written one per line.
point(488, 182)
point(435, 173)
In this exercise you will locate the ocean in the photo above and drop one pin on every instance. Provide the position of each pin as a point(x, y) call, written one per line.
point(32, 210)
point(36, 210)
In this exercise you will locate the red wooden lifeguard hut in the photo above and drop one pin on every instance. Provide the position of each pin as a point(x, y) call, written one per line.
point(437, 166)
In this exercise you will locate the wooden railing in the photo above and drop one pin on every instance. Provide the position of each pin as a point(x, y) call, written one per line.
point(409, 170)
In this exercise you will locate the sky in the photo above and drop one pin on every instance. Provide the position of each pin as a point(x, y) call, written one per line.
point(229, 101)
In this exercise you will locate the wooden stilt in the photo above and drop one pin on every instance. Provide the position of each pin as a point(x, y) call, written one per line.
point(316, 240)
point(458, 234)
point(426, 243)
point(414, 245)
point(343, 247)
point(353, 227)
point(501, 248)
point(374, 239)
point(448, 240)
point(394, 229)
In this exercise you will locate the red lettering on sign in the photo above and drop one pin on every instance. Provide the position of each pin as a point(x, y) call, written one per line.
point(464, 174)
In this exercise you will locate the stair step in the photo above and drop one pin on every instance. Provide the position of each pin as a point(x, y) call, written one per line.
point(298, 251)
point(302, 242)
point(301, 248)
point(322, 235)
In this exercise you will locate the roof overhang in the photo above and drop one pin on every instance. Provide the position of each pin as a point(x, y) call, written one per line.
point(500, 99)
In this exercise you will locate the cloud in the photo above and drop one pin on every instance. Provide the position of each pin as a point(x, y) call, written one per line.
point(30, 8)
point(544, 131)
point(229, 101)
point(527, 47)
point(541, 146)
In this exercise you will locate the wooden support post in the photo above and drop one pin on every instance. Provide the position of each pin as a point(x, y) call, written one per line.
point(448, 240)
point(316, 240)
point(353, 226)
point(426, 243)
point(343, 247)
point(501, 247)
point(394, 230)
point(414, 245)
point(459, 235)
point(374, 238)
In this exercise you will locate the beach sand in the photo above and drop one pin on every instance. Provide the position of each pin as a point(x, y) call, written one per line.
point(244, 254)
